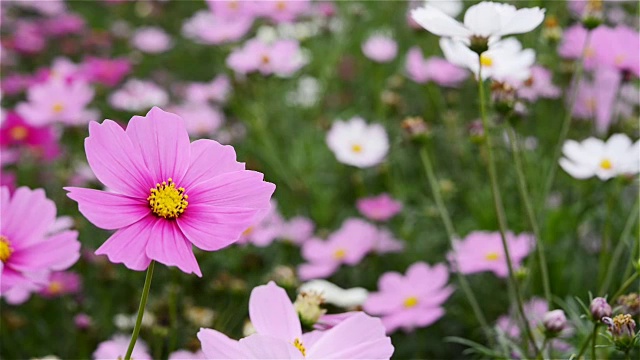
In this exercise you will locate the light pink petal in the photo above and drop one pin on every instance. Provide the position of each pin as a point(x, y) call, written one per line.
point(397, 320)
point(272, 313)
point(316, 250)
point(391, 282)
point(312, 271)
point(439, 23)
point(383, 303)
point(217, 345)
point(169, 246)
point(58, 252)
point(115, 161)
point(27, 217)
point(243, 189)
point(268, 347)
point(162, 139)
point(208, 160)
point(106, 210)
point(423, 317)
point(358, 337)
point(128, 245)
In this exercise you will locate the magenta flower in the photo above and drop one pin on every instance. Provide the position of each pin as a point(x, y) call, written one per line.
point(434, 69)
point(539, 85)
point(28, 250)
point(348, 245)
point(106, 71)
point(380, 48)
point(379, 208)
point(116, 347)
point(265, 231)
point(279, 334)
point(413, 300)
point(62, 283)
point(41, 141)
point(482, 251)
point(63, 24)
point(282, 58)
point(165, 193)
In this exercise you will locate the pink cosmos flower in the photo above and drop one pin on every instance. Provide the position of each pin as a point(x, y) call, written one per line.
point(62, 283)
point(204, 27)
point(63, 24)
point(152, 40)
point(41, 141)
point(187, 355)
point(595, 100)
point(279, 334)
point(387, 243)
point(282, 10)
point(138, 95)
point(619, 48)
point(348, 245)
point(297, 230)
point(216, 90)
point(482, 251)
point(165, 193)
point(265, 231)
point(380, 48)
point(434, 69)
point(27, 38)
point(201, 119)
point(379, 208)
point(282, 58)
point(539, 85)
point(82, 321)
point(106, 71)
point(413, 300)
point(58, 101)
point(15, 83)
point(233, 9)
point(28, 250)
point(116, 348)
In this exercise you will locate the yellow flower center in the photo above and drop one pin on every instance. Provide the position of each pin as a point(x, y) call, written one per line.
point(248, 231)
point(356, 148)
point(485, 60)
point(265, 59)
point(5, 249)
point(19, 133)
point(591, 104)
point(55, 287)
point(281, 5)
point(298, 344)
point(606, 164)
point(339, 254)
point(619, 59)
point(492, 256)
point(410, 302)
point(168, 201)
point(57, 108)
point(589, 52)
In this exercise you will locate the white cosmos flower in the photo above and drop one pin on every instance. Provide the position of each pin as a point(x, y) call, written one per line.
point(506, 60)
point(594, 157)
point(335, 295)
point(355, 143)
point(449, 7)
point(486, 20)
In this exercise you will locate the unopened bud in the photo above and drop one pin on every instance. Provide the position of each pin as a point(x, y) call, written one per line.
point(554, 321)
point(593, 14)
point(600, 308)
point(623, 331)
point(630, 303)
point(416, 128)
point(479, 44)
point(307, 306)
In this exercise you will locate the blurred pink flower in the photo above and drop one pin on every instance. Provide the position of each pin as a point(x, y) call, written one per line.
point(283, 10)
point(413, 300)
point(233, 9)
point(138, 95)
point(187, 355)
point(116, 348)
point(265, 231)
point(152, 40)
point(387, 243)
point(595, 100)
point(27, 38)
point(482, 251)
point(63, 24)
point(50, 7)
point(165, 193)
point(204, 27)
point(618, 48)
point(434, 69)
point(15, 83)
point(379, 208)
point(297, 230)
point(106, 71)
point(282, 58)
point(216, 90)
point(82, 321)
point(62, 283)
point(57, 101)
point(348, 245)
point(41, 141)
point(201, 119)
point(28, 251)
point(539, 85)
point(380, 48)
point(279, 334)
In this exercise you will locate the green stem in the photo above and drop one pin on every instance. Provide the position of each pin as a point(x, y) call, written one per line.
point(143, 303)
point(584, 346)
point(173, 312)
point(526, 198)
point(631, 220)
point(451, 235)
point(542, 348)
point(594, 338)
point(497, 202)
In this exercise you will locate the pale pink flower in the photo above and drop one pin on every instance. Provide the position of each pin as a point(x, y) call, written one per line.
point(387, 243)
point(204, 27)
point(380, 48)
point(379, 208)
point(539, 85)
point(265, 231)
point(166, 194)
point(63, 24)
point(116, 348)
point(151, 40)
point(28, 250)
point(348, 245)
point(233, 9)
point(279, 334)
point(62, 283)
point(297, 230)
point(595, 99)
point(410, 301)
point(283, 10)
point(482, 251)
point(216, 90)
point(434, 69)
point(138, 95)
point(282, 58)
point(187, 355)
point(201, 119)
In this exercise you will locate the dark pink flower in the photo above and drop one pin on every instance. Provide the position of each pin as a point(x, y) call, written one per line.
point(42, 141)
point(62, 283)
point(106, 71)
point(379, 208)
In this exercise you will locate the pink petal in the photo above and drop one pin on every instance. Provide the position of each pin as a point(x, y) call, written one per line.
point(243, 189)
point(311, 271)
point(108, 210)
point(128, 245)
point(27, 217)
point(208, 160)
point(272, 313)
point(161, 137)
point(383, 303)
point(169, 246)
point(115, 161)
point(58, 252)
point(217, 345)
point(425, 318)
point(268, 347)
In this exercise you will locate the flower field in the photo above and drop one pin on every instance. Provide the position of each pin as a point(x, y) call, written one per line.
point(231, 179)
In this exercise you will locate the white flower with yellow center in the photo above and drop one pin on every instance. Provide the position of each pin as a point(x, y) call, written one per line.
point(355, 143)
point(594, 157)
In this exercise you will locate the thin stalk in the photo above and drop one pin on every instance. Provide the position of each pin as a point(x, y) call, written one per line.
point(624, 286)
point(451, 235)
point(143, 303)
point(594, 338)
point(542, 348)
point(173, 312)
point(497, 202)
point(617, 253)
point(584, 346)
point(526, 198)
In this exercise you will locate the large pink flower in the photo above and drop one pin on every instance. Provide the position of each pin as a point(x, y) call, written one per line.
point(165, 193)
point(28, 250)
point(279, 334)
point(413, 300)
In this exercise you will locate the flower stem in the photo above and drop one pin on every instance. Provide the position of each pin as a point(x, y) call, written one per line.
point(584, 346)
point(143, 303)
point(524, 193)
point(594, 337)
point(451, 234)
point(497, 202)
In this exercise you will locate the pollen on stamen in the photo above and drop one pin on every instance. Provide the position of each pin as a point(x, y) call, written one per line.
point(167, 201)
point(5, 249)
point(486, 60)
point(298, 344)
point(492, 256)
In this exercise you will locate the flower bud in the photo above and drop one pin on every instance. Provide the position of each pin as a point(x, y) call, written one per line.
point(416, 128)
point(630, 304)
point(307, 306)
point(623, 331)
point(554, 321)
point(600, 308)
point(593, 15)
